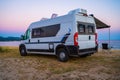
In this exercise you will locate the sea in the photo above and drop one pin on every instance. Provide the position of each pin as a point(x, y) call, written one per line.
point(10, 43)
point(114, 44)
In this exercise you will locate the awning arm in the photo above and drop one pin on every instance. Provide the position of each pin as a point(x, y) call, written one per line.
point(99, 23)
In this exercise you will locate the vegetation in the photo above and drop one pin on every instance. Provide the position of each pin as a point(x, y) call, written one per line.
point(9, 52)
point(9, 38)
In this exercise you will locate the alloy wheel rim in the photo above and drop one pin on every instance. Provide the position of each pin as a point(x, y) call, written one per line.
point(22, 50)
point(62, 55)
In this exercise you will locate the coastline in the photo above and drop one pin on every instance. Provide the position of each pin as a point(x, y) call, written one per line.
point(114, 44)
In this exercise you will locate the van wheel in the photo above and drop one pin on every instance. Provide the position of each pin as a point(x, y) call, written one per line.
point(23, 51)
point(62, 55)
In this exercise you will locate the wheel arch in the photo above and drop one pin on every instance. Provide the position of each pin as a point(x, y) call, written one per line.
point(22, 49)
point(61, 46)
point(22, 45)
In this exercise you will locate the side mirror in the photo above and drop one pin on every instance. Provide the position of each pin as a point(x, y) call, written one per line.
point(22, 37)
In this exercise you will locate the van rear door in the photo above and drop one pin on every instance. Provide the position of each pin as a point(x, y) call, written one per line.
point(86, 35)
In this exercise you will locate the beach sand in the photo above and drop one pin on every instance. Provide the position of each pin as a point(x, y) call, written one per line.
point(99, 66)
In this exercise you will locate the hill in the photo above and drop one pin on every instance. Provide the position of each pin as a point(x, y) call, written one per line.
point(9, 38)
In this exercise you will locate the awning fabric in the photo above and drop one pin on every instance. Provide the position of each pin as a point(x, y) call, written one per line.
point(100, 24)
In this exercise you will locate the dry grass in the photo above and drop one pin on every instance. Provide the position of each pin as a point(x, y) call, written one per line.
point(101, 65)
point(6, 52)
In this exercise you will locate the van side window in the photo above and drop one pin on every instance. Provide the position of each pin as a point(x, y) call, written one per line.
point(81, 28)
point(90, 29)
point(47, 31)
point(36, 32)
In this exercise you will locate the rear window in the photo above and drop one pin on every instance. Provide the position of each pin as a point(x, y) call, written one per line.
point(81, 28)
point(90, 29)
point(86, 28)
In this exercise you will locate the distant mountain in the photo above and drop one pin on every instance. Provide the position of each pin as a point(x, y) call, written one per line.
point(9, 38)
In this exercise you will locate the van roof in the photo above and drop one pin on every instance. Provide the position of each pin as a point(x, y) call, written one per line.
point(66, 18)
point(56, 20)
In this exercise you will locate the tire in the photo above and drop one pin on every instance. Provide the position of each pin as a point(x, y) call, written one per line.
point(23, 51)
point(62, 55)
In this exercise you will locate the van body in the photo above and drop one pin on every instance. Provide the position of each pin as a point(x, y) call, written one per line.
point(73, 34)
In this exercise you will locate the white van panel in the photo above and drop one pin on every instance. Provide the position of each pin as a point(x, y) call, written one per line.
point(84, 42)
point(37, 46)
point(65, 28)
point(58, 20)
point(86, 19)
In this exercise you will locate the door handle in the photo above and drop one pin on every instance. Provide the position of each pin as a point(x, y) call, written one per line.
point(38, 41)
point(29, 40)
point(89, 37)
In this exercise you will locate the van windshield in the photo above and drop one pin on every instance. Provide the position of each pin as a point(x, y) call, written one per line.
point(26, 35)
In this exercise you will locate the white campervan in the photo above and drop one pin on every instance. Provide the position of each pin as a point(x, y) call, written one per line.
point(73, 34)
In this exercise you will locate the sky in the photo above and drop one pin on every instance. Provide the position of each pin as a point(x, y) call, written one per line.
point(17, 15)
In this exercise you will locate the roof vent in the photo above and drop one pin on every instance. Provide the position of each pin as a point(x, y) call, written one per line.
point(54, 15)
point(43, 19)
point(81, 11)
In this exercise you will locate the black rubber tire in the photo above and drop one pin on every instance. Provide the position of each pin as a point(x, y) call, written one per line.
point(62, 55)
point(23, 51)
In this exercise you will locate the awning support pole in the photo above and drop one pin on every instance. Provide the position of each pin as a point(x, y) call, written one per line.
point(109, 39)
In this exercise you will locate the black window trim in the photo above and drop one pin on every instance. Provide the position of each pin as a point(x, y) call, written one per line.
point(83, 27)
point(86, 30)
point(93, 31)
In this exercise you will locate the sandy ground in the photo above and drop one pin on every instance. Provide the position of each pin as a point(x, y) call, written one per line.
point(100, 66)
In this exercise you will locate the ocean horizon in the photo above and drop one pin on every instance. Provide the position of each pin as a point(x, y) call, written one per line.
point(114, 44)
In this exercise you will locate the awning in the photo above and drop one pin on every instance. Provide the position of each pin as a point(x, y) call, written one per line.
point(100, 24)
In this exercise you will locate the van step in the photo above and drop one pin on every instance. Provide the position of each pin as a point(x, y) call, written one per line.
point(88, 52)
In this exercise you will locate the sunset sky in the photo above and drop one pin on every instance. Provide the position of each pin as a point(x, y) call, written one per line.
point(16, 15)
